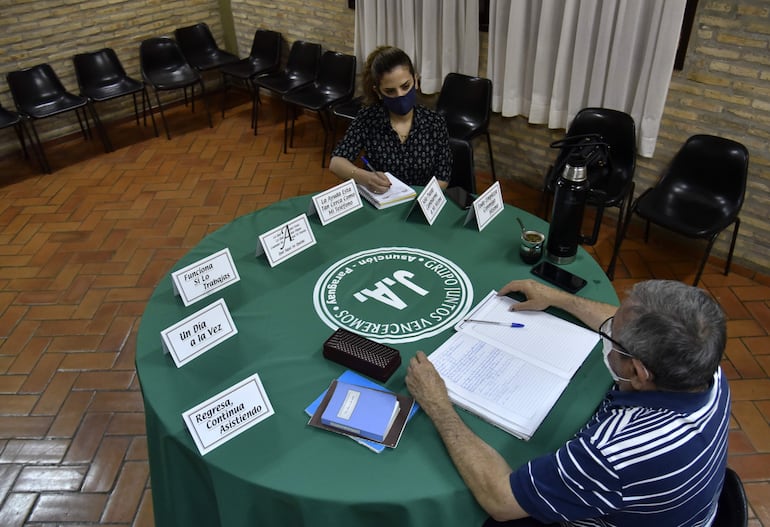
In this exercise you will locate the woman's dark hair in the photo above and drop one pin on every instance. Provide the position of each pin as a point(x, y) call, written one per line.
point(378, 63)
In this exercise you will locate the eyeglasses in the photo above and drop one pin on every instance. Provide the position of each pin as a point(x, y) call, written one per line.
point(605, 331)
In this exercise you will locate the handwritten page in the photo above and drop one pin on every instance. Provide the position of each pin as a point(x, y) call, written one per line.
point(511, 376)
point(546, 340)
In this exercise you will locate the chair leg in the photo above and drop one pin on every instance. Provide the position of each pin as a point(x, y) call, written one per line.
point(620, 235)
point(163, 115)
point(136, 108)
point(491, 158)
point(326, 123)
point(732, 245)
point(224, 93)
point(255, 102)
point(20, 133)
point(38, 146)
point(99, 128)
point(286, 126)
point(146, 97)
point(704, 259)
point(86, 129)
point(205, 104)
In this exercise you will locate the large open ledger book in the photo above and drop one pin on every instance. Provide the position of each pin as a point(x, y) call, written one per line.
point(511, 376)
point(398, 192)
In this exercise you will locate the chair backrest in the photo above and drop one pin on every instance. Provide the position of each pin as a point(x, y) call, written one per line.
point(196, 39)
point(160, 53)
point(709, 166)
point(463, 174)
point(98, 68)
point(466, 98)
point(337, 74)
point(33, 86)
point(732, 510)
point(618, 130)
point(267, 46)
point(304, 59)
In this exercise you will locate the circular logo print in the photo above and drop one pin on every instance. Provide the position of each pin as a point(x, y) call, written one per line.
point(393, 294)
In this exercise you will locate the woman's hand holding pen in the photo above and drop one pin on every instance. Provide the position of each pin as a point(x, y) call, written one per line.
point(375, 181)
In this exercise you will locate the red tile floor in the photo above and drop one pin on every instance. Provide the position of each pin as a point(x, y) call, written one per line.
point(82, 249)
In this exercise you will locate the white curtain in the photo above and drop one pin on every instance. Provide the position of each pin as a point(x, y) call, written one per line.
point(550, 58)
point(441, 36)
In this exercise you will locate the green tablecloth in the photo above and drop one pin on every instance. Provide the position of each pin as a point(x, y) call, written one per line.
point(283, 472)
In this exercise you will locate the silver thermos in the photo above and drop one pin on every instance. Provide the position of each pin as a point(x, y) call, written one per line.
point(569, 202)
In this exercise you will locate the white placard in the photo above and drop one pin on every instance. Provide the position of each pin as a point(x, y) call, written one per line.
point(336, 202)
point(205, 277)
point(486, 206)
point(228, 414)
point(431, 200)
point(286, 240)
point(198, 333)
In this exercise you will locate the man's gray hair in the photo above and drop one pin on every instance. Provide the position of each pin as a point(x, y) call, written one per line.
point(676, 330)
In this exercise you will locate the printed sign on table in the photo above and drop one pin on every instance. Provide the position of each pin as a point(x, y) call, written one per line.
point(431, 200)
point(198, 333)
point(286, 240)
point(486, 206)
point(336, 202)
point(205, 277)
point(229, 413)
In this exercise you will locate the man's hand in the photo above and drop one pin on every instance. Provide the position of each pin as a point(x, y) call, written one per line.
point(539, 296)
point(427, 386)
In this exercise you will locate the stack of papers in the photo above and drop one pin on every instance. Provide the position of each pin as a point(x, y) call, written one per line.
point(399, 192)
point(511, 376)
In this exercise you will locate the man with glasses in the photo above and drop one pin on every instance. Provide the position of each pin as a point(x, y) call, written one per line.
point(655, 451)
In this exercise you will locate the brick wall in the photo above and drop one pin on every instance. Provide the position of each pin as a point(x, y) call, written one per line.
point(723, 89)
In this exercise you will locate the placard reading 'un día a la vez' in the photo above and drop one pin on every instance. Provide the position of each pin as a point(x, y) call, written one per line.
point(286, 240)
point(205, 277)
point(486, 206)
point(336, 202)
point(228, 414)
point(198, 333)
point(431, 200)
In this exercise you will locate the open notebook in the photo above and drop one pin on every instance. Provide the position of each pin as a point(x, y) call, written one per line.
point(511, 376)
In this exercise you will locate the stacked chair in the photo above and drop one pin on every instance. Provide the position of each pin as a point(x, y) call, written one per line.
point(165, 68)
point(301, 69)
point(265, 57)
point(336, 82)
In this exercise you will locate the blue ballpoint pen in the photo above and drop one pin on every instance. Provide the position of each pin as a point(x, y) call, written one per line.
point(495, 323)
point(367, 164)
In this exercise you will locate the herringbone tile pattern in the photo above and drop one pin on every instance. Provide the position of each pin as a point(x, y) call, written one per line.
point(82, 249)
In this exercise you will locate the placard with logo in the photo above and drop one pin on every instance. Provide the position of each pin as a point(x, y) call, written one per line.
point(486, 207)
point(205, 277)
point(198, 333)
point(286, 240)
point(336, 202)
point(228, 414)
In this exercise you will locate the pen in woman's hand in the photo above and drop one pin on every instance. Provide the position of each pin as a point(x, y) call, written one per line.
point(383, 179)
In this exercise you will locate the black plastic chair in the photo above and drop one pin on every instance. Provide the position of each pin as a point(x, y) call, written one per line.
point(698, 196)
point(200, 48)
point(612, 181)
point(165, 68)
point(347, 111)
point(265, 57)
point(38, 94)
point(336, 82)
point(301, 69)
point(101, 78)
point(732, 510)
point(463, 174)
point(466, 103)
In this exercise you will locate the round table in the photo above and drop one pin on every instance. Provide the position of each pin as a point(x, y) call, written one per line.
point(284, 472)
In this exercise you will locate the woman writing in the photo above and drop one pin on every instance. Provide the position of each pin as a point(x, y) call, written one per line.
point(395, 134)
